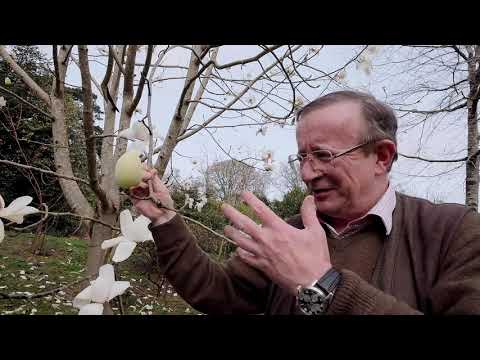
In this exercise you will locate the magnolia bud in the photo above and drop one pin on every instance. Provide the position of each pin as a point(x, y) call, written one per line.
point(8, 82)
point(129, 170)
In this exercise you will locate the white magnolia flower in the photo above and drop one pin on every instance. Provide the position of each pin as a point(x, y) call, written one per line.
point(188, 201)
point(140, 135)
point(104, 288)
point(202, 203)
point(3, 102)
point(268, 160)
point(138, 131)
point(133, 232)
point(15, 211)
point(267, 155)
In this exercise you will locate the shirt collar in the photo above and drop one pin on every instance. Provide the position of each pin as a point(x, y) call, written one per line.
point(383, 209)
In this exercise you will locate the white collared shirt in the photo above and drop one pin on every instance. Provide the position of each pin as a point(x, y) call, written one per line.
point(383, 209)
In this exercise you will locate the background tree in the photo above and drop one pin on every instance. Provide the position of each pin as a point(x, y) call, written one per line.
point(438, 94)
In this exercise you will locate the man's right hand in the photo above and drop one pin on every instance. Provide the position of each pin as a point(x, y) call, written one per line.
point(148, 208)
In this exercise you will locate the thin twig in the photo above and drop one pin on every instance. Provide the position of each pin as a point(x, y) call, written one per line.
point(41, 294)
point(50, 116)
point(73, 178)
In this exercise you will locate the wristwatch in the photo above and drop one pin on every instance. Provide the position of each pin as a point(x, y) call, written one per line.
point(315, 299)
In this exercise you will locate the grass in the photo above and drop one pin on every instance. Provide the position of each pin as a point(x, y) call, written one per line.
point(20, 271)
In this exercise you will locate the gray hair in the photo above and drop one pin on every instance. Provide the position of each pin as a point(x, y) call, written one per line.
point(381, 120)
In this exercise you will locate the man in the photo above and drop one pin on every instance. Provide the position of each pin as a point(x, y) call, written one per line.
point(357, 247)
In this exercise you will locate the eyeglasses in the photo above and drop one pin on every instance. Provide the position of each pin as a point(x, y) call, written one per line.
point(325, 156)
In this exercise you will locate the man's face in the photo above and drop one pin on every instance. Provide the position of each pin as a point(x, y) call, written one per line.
point(345, 187)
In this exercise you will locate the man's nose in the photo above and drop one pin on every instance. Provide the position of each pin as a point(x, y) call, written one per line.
point(311, 170)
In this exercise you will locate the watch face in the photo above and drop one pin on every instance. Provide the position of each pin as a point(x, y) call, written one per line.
point(312, 301)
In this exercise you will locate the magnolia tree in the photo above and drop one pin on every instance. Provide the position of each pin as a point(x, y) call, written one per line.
point(262, 90)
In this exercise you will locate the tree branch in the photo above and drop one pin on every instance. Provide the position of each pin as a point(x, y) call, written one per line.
point(106, 79)
point(57, 72)
point(73, 178)
point(239, 95)
point(25, 77)
point(143, 76)
point(88, 127)
point(26, 102)
point(20, 295)
point(466, 158)
point(117, 60)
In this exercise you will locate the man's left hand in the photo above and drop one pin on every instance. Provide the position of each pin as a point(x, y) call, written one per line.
point(289, 256)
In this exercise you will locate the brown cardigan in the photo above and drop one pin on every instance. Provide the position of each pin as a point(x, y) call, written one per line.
point(430, 264)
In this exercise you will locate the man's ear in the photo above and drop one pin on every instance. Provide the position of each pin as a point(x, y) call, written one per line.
point(385, 150)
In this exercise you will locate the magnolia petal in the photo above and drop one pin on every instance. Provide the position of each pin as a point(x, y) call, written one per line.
point(126, 224)
point(16, 218)
point(112, 242)
point(123, 251)
point(28, 210)
point(100, 289)
point(91, 309)
point(2, 202)
point(139, 145)
point(107, 272)
point(19, 203)
point(140, 131)
point(118, 288)
point(2, 231)
point(140, 229)
point(83, 298)
point(127, 134)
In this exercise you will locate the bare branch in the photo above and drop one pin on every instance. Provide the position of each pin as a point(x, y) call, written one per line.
point(26, 102)
point(73, 178)
point(106, 79)
point(83, 217)
point(117, 60)
point(459, 52)
point(57, 72)
point(143, 76)
point(25, 77)
point(233, 101)
point(20, 295)
point(88, 126)
point(466, 158)
point(95, 82)
point(200, 91)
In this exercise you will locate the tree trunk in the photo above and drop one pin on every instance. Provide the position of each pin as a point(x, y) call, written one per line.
point(100, 233)
point(472, 174)
point(71, 191)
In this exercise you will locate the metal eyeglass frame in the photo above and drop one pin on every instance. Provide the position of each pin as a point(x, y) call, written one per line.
point(310, 155)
